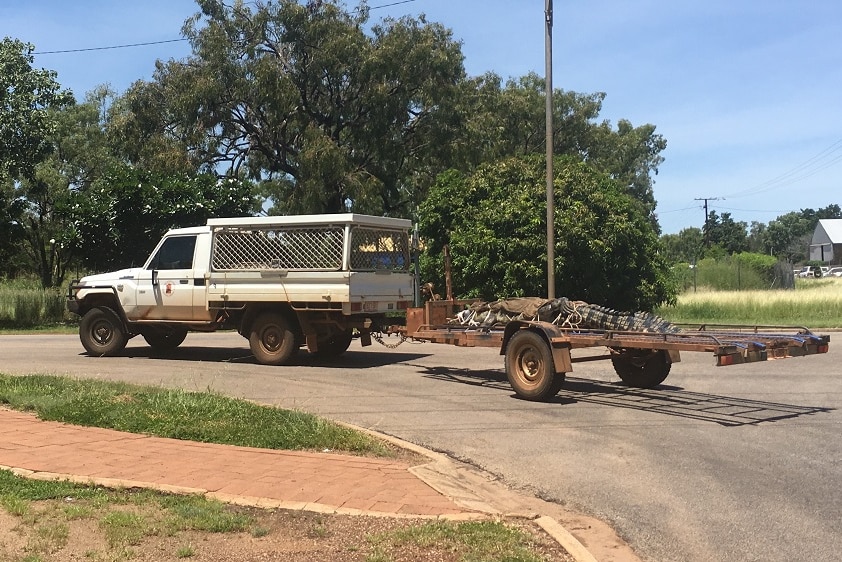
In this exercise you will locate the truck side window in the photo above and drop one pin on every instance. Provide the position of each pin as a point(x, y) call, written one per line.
point(175, 253)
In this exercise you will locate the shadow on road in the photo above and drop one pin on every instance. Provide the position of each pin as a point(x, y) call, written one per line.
point(674, 401)
point(348, 360)
point(667, 400)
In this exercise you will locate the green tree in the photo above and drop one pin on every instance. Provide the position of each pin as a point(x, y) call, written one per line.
point(726, 233)
point(122, 216)
point(327, 111)
point(80, 155)
point(509, 120)
point(11, 231)
point(26, 96)
point(686, 246)
point(29, 102)
point(495, 223)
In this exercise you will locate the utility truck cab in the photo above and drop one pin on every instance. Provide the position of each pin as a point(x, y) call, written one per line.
point(281, 282)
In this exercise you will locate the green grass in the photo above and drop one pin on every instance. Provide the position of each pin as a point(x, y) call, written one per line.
point(473, 541)
point(25, 305)
point(125, 517)
point(194, 416)
point(816, 303)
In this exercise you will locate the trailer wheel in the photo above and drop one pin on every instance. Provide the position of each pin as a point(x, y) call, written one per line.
point(102, 333)
point(271, 340)
point(642, 368)
point(335, 345)
point(162, 339)
point(529, 367)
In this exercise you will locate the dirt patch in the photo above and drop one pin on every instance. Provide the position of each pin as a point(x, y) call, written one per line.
point(64, 531)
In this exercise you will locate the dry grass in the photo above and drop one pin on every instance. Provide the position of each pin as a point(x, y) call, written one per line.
point(816, 303)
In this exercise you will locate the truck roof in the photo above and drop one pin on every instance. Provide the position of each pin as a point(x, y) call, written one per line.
point(329, 219)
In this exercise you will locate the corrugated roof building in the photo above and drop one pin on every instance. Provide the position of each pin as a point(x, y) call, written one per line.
point(826, 244)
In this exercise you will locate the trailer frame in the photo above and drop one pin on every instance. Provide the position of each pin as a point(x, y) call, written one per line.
point(538, 354)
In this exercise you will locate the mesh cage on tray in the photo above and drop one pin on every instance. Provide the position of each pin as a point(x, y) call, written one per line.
point(373, 249)
point(273, 248)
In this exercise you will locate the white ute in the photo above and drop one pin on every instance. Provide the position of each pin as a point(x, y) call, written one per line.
point(281, 282)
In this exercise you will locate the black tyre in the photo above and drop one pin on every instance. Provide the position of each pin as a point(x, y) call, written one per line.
point(163, 339)
point(529, 367)
point(272, 341)
point(102, 333)
point(642, 368)
point(335, 345)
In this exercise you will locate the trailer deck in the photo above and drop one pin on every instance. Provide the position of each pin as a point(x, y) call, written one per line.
point(538, 354)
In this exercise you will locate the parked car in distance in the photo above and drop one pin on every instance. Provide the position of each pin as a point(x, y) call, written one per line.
point(812, 271)
point(835, 272)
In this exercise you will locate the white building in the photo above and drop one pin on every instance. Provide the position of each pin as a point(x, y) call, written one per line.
point(826, 244)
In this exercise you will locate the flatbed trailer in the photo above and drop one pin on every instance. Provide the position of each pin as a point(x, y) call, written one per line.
point(539, 354)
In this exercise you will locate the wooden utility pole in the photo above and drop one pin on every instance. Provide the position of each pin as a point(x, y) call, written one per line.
point(706, 199)
point(548, 44)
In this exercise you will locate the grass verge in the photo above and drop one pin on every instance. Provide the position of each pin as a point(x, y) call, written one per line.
point(195, 416)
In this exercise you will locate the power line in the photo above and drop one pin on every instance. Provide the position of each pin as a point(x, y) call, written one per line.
point(109, 47)
point(169, 40)
point(810, 167)
point(392, 4)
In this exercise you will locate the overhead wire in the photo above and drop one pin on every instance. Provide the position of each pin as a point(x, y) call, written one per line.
point(810, 167)
point(147, 43)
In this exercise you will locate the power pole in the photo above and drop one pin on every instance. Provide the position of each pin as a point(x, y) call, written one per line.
point(706, 199)
point(548, 45)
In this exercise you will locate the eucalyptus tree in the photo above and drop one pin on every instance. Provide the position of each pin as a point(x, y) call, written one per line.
point(329, 111)
point(29, 101)
point(508, 119)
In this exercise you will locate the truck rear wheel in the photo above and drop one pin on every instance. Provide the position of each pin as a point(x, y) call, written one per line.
point(164, 339)
point(335, 345)
point(102, 333)
point(271, 340)
point(642, 368)
point(530, 368)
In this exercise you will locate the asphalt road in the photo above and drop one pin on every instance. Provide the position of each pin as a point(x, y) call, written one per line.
point(731, 463)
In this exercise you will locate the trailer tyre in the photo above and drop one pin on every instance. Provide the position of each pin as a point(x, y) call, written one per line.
point(271, 339)
point(529, 367)
point(642, 368)
point(102, 333)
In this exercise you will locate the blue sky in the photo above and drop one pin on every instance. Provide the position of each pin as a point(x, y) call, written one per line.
point(748, 94)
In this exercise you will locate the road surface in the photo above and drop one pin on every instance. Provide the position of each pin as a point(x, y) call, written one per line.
point(730, 463)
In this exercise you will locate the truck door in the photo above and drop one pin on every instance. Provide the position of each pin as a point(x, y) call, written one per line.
point(165, 288)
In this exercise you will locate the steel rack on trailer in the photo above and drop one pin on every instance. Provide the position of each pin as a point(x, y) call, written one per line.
point(538, 354)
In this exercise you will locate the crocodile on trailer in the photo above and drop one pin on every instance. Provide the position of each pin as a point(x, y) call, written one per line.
point(538, 354)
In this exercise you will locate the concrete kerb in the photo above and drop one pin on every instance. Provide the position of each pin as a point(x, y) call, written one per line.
point(474, 490)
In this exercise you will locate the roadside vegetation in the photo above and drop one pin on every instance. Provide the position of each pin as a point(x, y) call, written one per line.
point(24, 304)
point(196, 416)
point(43, 521)
point(815, 303)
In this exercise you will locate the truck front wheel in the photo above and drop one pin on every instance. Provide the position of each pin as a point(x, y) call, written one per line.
point(530, 368)
point(102, 333)
point(271, 340)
